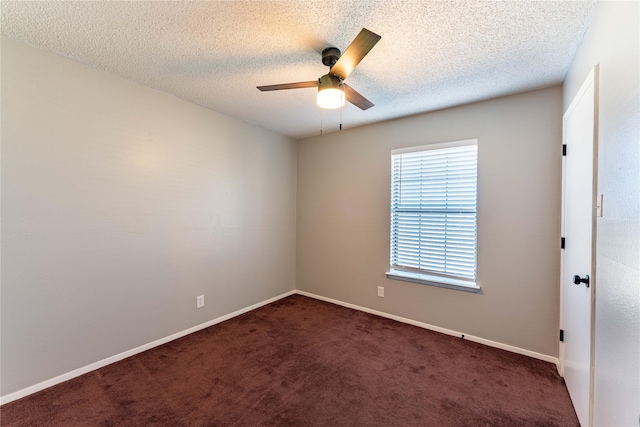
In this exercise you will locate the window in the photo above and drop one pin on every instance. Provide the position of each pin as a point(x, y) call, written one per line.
point(434, 214)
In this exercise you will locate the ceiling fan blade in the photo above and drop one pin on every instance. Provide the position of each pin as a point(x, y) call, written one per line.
point(298, 85)
point(356, 99)
point(359, 47)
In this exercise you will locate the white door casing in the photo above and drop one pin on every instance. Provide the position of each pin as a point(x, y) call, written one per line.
point(580, 124)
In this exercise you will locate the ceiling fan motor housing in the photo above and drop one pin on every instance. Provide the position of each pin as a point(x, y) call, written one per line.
point(329, 82)
point(330, 56)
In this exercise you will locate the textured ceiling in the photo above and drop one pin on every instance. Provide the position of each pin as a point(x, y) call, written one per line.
point(432, 55)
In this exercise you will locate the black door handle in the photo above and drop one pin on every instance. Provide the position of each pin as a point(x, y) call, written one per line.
point(577, 280)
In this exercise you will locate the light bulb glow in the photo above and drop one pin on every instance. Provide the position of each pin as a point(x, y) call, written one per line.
point(331, 98)
point(330, 92)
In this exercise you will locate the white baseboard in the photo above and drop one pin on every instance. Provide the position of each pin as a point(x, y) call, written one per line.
point(484, 341)
point(109, 360)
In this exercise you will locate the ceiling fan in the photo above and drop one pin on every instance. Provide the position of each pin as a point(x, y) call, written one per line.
point(332, 91)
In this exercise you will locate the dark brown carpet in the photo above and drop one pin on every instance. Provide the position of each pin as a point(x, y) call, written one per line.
point(303, 362)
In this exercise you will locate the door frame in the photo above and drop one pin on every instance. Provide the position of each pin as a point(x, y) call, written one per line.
point(592, 80)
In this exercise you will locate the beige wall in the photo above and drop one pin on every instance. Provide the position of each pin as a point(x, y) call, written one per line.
point(343, 219)
point(121, 204)
point(613, 41)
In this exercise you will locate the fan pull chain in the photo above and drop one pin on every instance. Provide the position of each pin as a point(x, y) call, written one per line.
point(320, 121)
point(341, 108)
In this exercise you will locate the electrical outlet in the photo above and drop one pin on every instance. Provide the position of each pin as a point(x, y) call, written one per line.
point(200, 301)
point(381, 291)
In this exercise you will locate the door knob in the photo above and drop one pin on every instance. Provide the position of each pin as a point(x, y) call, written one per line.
point(577, 280)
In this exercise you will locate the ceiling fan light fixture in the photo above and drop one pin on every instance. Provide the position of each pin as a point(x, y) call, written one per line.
point(330, 92)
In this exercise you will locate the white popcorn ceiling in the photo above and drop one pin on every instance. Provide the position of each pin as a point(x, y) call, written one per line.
point(432, 55)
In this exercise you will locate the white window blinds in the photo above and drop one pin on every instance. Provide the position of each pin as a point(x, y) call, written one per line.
point(433, 210)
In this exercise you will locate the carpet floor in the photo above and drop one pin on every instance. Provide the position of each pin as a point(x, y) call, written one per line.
point(304, 362)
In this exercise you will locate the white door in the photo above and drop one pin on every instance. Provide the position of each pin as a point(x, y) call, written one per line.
point(579, 136)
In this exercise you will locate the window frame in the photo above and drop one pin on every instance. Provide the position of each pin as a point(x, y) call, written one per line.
point(428, 277)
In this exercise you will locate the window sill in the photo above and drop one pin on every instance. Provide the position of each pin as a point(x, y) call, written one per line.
point(426, 279)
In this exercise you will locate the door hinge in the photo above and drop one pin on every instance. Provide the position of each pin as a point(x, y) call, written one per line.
point(562, 242)
point(561, 335)
point(564, 149)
